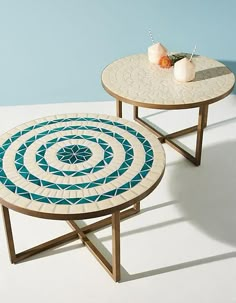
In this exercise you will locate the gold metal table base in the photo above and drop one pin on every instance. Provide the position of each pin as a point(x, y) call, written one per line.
point(114, 220)
point(199, 128)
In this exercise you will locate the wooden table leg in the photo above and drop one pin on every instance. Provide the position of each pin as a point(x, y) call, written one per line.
point(116, 246)
point(8, 229)
point(118, 108)
point(135, 112)
point(205, 116)
point(113, 269)
point(137, 207)
point(168, 138)
point(18, 257)
point(202, 120)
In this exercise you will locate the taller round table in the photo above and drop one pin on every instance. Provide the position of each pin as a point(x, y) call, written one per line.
point(136, 81)
point(78, 166)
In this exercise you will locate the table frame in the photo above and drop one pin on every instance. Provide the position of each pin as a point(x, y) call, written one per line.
point(115, 210)
point(78, 233)
point(163, 138)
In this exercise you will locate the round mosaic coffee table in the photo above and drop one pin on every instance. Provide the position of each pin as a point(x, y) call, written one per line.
point(78, 166)
point(136, 81)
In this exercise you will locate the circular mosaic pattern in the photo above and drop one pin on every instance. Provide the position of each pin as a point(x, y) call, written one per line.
point(77, 164)
point(135, 79)
point(73, 154)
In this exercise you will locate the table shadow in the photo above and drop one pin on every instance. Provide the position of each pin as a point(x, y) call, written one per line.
point(209, 126)
point(205, 196)
point(207, 200)
point(232, 66)
point(209, 73)
point(163, 270)
point(207, 193)
point(98, 242)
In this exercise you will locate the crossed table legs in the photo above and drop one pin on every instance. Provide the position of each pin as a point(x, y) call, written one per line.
point(202, 123)
point(113, 269)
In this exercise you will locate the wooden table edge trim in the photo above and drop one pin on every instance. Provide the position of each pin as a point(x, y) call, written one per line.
point(116, 214)
point(81, 216)
point(166, 106)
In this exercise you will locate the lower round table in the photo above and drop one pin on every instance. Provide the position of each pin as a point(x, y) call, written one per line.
point(136, 81)
point(78, 166)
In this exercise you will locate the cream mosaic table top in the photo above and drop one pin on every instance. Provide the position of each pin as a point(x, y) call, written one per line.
point(135, 80)
point(78, 166)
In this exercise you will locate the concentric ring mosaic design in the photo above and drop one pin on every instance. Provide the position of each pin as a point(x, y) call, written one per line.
point(77, 160)
point(73, 154)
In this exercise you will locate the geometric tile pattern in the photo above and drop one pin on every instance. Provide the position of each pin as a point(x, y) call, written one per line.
point(135, 78)
point(127, 163)
point(73, 154)
point(40, 155)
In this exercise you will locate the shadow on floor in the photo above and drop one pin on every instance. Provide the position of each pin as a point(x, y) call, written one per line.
point(130, 277)
point(205, 196)
point(207, 193)
point(209, 126)
point(207, 199)
point(98, 242)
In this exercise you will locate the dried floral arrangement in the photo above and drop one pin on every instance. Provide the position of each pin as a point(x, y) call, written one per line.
point(169, 60)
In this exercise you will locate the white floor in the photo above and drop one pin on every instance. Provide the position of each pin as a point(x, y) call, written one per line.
point(180, 248)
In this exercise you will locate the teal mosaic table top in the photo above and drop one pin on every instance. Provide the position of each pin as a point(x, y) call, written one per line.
point(80, 165)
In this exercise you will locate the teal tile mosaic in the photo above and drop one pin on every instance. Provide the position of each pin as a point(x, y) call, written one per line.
point(108, 155)
point(74, 154)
